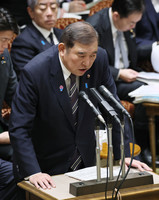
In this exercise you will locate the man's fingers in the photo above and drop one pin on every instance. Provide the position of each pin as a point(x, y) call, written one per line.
point(42, 180)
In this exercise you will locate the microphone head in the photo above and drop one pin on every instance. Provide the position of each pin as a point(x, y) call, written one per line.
point(102, 89)
point(82, 93)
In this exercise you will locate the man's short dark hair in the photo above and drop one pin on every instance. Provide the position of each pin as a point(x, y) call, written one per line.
point(81, 32)
point(127, 7)
point(7, 21)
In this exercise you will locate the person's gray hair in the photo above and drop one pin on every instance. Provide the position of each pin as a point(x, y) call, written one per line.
point(81, 32)
point(32, 3)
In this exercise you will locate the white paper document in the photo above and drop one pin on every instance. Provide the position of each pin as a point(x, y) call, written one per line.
point(148, 77)
point(146, 93)
point(90, 173)
point(145, 90)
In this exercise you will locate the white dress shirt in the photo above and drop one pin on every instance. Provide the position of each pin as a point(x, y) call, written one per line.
point(46, 33)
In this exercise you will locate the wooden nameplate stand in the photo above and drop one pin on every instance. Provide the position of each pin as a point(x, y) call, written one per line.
point(92, 186)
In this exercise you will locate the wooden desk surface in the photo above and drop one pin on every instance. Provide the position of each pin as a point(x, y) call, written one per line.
point(61, 192)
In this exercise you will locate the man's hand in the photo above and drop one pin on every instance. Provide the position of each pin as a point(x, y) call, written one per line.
point(137, 164)
point(4, 138)
point(77, 6)
point(42, 180)
point(128, 75)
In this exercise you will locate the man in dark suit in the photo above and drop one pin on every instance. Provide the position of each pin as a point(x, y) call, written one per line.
point(122, 18)
point(147, 31)
point(8, 83)
point(35, 38)
point(8, 79)
point(43, 134)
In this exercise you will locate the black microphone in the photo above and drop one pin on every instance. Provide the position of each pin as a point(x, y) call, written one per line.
point(107, 94)
point(105, 104)
point(84, 96)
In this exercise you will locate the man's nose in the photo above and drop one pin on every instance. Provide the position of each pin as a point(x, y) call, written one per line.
point(5, 45)
point(86, 62)
point(49, 11)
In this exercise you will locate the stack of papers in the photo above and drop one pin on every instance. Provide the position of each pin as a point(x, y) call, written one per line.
point(148, 77)
point(149, 92)
point(146, 93)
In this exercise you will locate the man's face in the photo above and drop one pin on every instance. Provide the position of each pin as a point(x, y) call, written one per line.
point(44, 13)
point(126, 23)
point(79, 58)
point(5, 39)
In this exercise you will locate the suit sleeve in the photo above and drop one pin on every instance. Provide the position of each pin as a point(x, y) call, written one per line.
point(12, 82)
point(21, 123)
point(21, 53)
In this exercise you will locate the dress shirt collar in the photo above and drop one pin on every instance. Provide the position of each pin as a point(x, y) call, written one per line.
point(43, 31)
point(66, 74)
point(65, 71)
point(156, 5)
point(46, 33)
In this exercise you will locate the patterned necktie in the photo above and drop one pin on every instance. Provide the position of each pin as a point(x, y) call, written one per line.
point(51, 38)
point(120, 51)
point(73, 94)
point(76, 161)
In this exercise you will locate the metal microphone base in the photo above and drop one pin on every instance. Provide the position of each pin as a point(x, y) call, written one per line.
point(92, 186)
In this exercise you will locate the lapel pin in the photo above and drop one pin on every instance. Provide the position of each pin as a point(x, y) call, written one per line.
point(61, 88)
point(133, 35)
point(3, 61)
point(86, 85)
point(42, 42)
point(88, 76)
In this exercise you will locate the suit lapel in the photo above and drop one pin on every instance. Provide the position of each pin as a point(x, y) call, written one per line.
point(59, 88)
point(43, 43)
point(108, 42)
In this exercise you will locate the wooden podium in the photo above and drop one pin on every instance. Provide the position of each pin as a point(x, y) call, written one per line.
point(61, 192)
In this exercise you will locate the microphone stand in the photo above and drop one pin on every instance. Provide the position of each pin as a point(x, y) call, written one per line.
point(98, 152)
point(110, 149)
point(122, 148)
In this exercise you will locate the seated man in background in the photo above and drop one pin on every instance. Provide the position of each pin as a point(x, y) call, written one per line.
point(114, 26)
point(55, 126)
point(147, 33)
point(8, 28)
point(39, 35)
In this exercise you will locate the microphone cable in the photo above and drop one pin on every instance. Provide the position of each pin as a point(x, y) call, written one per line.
point(132, 156)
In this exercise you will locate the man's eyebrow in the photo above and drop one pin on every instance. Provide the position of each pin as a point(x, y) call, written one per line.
point(82, 53)
point(46, 3)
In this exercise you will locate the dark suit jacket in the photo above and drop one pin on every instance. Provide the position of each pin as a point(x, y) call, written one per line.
point(42, 132)
point(101, 22)
point(8, 188)
point(8, 79)
point(27, 45)
point(147, 31)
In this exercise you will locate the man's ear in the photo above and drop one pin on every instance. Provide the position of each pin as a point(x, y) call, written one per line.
point(116, 16)
point(61, 48)
point(30, 12)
